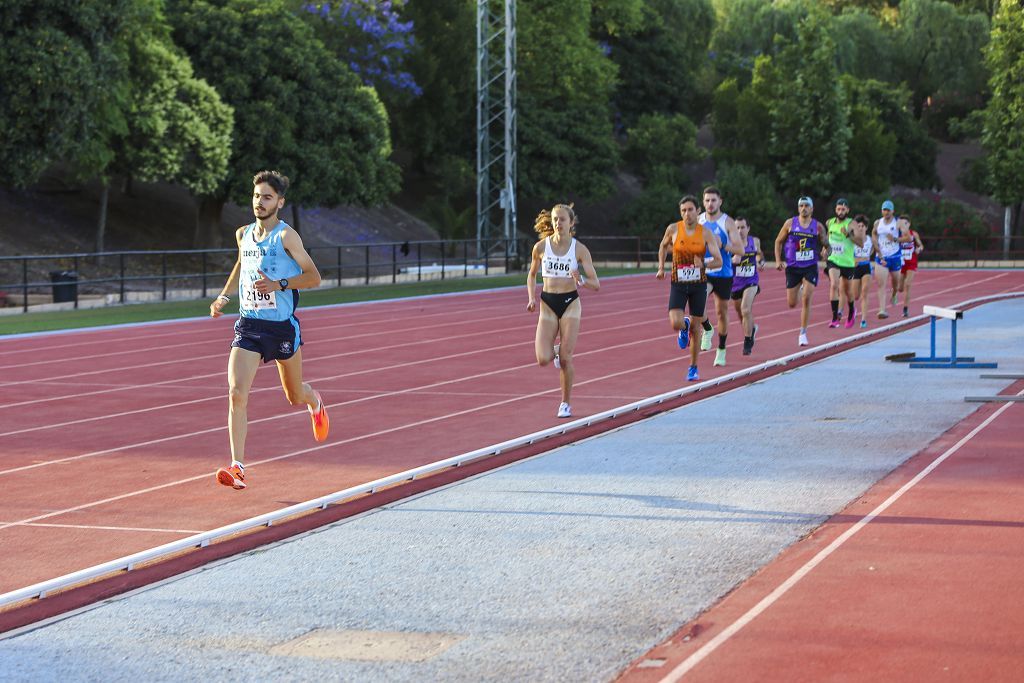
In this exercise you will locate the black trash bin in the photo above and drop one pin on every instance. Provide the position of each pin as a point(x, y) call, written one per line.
point(65, 285)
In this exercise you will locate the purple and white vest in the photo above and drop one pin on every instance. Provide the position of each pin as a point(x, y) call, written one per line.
point(801, 248)
point(745, 272)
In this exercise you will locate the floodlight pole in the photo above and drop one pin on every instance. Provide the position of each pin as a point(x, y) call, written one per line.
point(496, 124)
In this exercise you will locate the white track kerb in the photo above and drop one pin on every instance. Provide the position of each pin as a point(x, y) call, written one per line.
point(201, 540)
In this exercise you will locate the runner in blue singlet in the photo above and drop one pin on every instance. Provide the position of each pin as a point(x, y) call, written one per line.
point(272, 265)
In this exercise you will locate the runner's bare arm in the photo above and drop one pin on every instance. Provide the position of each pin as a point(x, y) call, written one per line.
point(587, 263)
point(920, 244)
point(712, 243)
point(307, 279)
point(734, 247)
point(531, 278)
point(666, 244)
point(856, 234)
point(760, 254)
point(217, 305)
point(783, 234)
point(905, 235)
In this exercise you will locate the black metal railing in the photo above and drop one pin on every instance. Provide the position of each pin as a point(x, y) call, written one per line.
point(179, 274)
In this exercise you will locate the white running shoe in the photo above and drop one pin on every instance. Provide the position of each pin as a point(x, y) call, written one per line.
point(720, 357)
point(705, 340)
point(803, 339)
point(558, 360)
point(564, 410)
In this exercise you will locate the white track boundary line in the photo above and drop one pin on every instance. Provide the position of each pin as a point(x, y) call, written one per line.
point(105, 528)
point(42, 589)
point(313, 327)
point(118, 388)
point(315, 359)
point(697, 657)
point(411, 390)
point(395, 366)
point(320, 307)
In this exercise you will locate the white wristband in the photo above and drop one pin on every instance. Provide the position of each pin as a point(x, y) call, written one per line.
point(225, 297)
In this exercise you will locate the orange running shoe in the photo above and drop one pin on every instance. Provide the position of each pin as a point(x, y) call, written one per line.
point(321, 423)
point(233, 476)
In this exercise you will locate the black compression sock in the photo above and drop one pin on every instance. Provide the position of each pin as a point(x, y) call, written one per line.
point(721, 340)
point(849, 307)
point(706, 325)
point(835, 308)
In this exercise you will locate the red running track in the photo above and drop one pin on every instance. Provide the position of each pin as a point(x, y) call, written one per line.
point(928, 589)
point(109, 438)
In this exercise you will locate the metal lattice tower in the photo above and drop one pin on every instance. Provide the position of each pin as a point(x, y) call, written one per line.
point(496, 122)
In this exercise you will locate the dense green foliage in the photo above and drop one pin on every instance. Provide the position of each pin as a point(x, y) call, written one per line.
point(297, 108)
point(833, 97)
point(1004, 117)
point(65, 83)
point(565, 117)
point(668, 48)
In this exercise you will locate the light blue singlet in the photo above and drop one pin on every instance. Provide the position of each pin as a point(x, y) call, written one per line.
point(268, 255)
point(723, 235)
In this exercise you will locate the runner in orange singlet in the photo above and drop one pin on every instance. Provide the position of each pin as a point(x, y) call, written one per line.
point(689, 241)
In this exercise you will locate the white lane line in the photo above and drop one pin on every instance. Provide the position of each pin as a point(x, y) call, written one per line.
point(101, 528)
point(220, 395)
point(605, 300)
point(398, 392)
point(218, 334)
point(283, 456)
point(320, 358)
point(409, 309)
point(371, 395)
point(321, 314)
point(311, 360)
point(697, 657)
point(354, 439)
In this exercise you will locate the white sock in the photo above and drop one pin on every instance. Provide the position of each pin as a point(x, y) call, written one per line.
point(235, 463)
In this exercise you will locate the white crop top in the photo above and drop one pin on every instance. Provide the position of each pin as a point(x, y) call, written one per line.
point(559, 266)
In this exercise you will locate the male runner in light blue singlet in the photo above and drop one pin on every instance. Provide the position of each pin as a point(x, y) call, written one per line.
point(719, 279)
point(272, 265)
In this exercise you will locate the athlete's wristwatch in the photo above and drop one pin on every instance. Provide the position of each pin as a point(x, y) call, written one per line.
point(283, 283)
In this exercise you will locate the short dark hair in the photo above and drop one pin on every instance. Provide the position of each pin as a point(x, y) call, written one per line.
point(711, 189)
point(861, 218)
point(906, 217)
point(737, 219)
point(689, 198)
point(275, 179)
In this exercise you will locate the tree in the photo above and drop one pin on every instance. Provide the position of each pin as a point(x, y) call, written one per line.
point(864, 44)
point(747, 29)
point(658, 71)
point(64, 80)
point(916, 152)
point(749, 193)
point(297, 108)
point(937, 48)
point(659, 141)
point(441, 121)
point(1003, 137)
point(870, 154)
point(566, 83)
point(741, 119)
point(177, 128)
point(810, 129)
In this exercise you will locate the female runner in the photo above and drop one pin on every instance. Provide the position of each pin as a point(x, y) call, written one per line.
point(560, 257)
